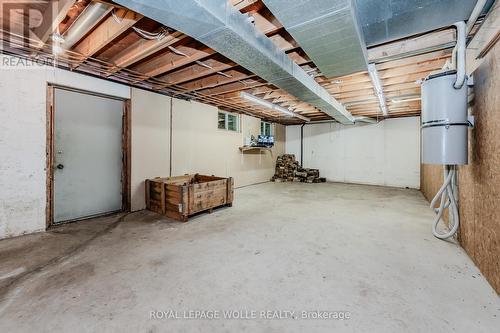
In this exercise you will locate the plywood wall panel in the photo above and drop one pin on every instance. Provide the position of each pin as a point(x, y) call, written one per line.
point(431, 179)
point(479, 181)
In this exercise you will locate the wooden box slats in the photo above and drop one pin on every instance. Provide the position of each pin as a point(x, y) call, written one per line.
point(181, 196)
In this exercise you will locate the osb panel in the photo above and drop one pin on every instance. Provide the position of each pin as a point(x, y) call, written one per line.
point(431, 179)
point(479, 182)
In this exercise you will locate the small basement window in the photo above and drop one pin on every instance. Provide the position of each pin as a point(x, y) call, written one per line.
point(266, 128)
point(229, 121)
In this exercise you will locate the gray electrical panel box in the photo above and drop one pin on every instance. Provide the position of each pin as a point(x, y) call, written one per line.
point(444, 120)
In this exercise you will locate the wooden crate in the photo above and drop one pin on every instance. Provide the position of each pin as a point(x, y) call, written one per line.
point(182, 196)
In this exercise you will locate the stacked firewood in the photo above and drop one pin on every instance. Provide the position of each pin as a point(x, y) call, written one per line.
point(289, 170)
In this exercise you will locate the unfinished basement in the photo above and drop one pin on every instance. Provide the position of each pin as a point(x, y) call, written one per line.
point(249, 166)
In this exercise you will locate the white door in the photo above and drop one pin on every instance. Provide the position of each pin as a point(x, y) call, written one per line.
point(87, 154)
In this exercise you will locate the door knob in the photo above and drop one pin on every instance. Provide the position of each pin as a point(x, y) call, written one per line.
point(60, 166)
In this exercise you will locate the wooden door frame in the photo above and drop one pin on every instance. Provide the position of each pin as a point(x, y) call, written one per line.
point(50, 147)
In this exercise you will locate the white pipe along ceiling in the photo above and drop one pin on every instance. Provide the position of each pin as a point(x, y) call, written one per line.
point(220, 26)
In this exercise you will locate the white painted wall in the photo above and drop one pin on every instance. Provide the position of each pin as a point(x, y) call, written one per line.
point(22, 140)
point(387, 153)
point(150, 142)
point(200, 147)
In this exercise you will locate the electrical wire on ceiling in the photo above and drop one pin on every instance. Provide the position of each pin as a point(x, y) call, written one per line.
point(93, 66)
point(143, 33)
point(152, 35)
point(159, 36)
point(202, 64)
point(176, 51)
point(224, 74)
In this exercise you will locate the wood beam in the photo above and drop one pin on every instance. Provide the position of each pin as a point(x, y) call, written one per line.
point(217, 80)
point(342, 88)
point(418, 45)
point(404, 79)
point(360, 92)
point(170, 61)
point(416, 68)
point(267, 24)
point(442, 54)
point(233, 87)
point(106, 32)
point(196, 71)
point(247, 5)
point(484, 40)
point(143, 49)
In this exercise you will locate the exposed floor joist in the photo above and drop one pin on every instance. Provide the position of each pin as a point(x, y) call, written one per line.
point(178, 65)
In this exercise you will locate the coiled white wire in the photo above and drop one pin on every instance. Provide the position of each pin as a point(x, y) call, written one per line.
point(447, 194)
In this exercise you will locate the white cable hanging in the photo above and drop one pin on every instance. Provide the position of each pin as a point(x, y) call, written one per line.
point(447, 191)
point(152, 35)
point(224, 74)
point(447, 194)
point(173, 49)
point(144, 34)
point(203, 64)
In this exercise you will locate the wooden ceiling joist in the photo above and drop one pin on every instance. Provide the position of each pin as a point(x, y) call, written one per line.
point(195, 71)
point(217, 79)
point(179, 65)
point(143, 49)
point(183, 55)
point(233, 87)
point(106, 32)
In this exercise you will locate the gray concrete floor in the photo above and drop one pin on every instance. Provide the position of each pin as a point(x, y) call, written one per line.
point(365, 250)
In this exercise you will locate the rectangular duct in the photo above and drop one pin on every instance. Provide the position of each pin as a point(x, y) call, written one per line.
point(219, 25)
point(384, 21)
point(327, 30)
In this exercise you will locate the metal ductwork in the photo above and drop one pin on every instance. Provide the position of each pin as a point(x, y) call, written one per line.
point(327, 30)
point(387, 20)
point(91, 16)
point(219, 25)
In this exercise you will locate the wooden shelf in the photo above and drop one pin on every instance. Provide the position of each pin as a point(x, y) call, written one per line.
point(245, 149)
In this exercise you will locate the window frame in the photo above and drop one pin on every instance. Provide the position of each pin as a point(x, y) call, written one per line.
point(263, 128)
point(226, 121)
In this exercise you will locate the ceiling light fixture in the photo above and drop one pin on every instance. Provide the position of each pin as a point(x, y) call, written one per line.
point(377, 87)
point(269, 105)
